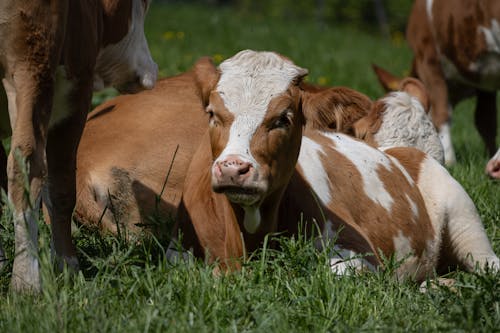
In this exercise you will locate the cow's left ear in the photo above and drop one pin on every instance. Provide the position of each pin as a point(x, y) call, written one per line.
point(333, 109)
point(206, 76)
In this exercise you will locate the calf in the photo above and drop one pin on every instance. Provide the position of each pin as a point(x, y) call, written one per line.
point(256, 172)
point(52, 55)
point(456, 46)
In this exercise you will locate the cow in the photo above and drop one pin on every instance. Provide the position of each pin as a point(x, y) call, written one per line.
point(260, 169)
point(53, 54)
point(456, 47)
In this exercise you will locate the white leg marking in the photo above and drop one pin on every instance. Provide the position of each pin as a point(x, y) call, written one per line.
point(449, 152)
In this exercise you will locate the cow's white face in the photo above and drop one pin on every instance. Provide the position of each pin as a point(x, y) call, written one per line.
point(125, 61)
point(255, 126)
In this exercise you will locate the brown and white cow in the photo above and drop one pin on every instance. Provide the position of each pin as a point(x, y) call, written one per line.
point(52, 55)
point(257, 172)
point(456, 46)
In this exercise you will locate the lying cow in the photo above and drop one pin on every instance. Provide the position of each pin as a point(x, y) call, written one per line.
point(456, 46)
point(52, 55)
point(131, 169)
point(257, 172)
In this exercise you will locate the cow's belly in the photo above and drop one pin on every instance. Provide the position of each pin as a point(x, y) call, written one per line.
point(483, 72)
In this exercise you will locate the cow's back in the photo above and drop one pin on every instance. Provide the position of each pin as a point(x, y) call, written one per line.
point(127, 149)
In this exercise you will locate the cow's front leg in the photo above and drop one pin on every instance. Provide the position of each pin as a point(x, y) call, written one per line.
point(30, 103)
point(71, 105)
point(485, 118)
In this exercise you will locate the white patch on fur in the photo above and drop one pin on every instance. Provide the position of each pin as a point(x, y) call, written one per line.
point(428, 7)
point(367, 160)
point(129, 59)
point(347, 262)
point(248, 82)
point(402, 246)
point(405, 124)
point(252, 219)
point(445, 137)
point(62, 89)
point(492, 36)
point(314, 172)
point(414, 208)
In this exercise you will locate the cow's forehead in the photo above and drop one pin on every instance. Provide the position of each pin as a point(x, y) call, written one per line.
point(250, 79)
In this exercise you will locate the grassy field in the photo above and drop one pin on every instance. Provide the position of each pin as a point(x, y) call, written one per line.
point(130, 288)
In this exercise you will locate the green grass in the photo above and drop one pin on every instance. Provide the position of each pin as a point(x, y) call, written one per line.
point(131, 288)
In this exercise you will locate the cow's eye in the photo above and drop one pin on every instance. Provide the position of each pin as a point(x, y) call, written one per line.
point(283, 121)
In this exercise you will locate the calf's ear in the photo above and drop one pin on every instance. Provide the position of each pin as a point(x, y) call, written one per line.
point(416, 88)
point(206, 76)
point(334, 109)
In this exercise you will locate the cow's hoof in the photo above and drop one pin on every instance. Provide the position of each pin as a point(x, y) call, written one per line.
point(26, 274)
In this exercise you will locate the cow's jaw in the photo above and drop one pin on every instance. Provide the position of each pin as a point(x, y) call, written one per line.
point(127, 65)
point(249, 84)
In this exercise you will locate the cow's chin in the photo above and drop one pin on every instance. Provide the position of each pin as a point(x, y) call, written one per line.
point(243, 196)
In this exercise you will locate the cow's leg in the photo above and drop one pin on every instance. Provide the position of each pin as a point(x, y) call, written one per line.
point(454, 216)
point(485, 118)
point(26, 168)
point(3, 186)
point(430, 73)
point(71, 104)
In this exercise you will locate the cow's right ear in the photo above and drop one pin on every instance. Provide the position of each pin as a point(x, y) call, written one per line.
point(389, 82)
point(333, 109)
point(207, 76)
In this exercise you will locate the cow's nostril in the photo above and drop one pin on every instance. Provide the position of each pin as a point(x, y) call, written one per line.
point(244, 168)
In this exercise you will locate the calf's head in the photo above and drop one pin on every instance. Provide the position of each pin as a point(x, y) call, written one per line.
point(124, 60)
point(255, 127)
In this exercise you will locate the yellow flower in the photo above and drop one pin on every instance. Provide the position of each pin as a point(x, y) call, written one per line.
point(322, 80)
point(218, 58)
point(397, 38)
point(168, 35)
point(180, 34)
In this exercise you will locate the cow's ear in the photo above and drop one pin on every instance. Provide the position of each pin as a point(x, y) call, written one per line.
point(207, 76)
point(416, 88)
point(333, 109)
point(388, 81)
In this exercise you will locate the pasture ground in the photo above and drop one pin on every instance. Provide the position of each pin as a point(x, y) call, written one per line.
point(130, 288)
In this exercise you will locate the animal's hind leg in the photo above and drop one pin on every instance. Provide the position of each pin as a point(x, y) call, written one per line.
point(466, 235)
point(485, 118)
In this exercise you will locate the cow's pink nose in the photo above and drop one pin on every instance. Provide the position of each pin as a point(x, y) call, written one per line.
point(232, 170)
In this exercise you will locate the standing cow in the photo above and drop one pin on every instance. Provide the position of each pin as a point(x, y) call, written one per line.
point(52, 55)
point(456, 46)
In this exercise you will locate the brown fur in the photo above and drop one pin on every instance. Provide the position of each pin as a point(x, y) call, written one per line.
point(453, 31)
